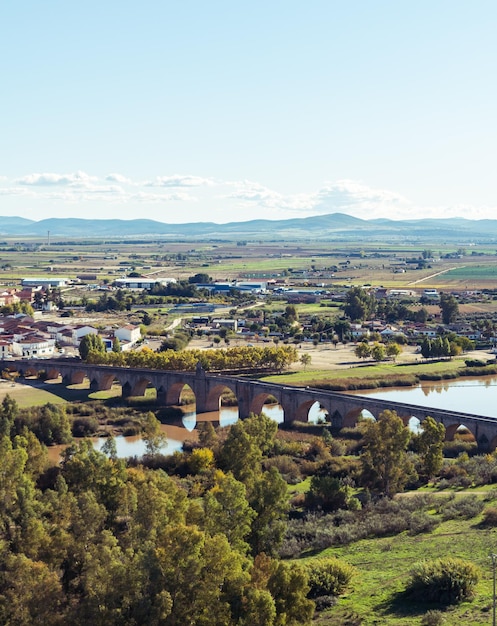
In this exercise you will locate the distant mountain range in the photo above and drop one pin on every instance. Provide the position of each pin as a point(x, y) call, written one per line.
point(333, 227)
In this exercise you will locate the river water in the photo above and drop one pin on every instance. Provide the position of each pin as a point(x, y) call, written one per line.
point(477, 396)
point(178, 433)
point(466, 395)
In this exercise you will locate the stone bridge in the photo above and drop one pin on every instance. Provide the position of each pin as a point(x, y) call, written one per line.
point(343, 409)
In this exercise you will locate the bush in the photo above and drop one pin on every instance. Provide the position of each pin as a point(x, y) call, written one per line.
point(328, 577)
point(443, 581)
point(490, 516)
point(453, 449)
point(433, 618)
point(465, 508)
point(84, 426)
point(475, 363)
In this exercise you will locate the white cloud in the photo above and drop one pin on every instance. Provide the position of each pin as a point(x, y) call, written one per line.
point(218, 200)
point(251, 192)
point(161, 197)
point(119, 178)
point(77, 179)
point(356, 198)
point(178, 180)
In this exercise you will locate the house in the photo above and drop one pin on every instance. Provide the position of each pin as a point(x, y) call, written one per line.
point(8, 297)
point(35, 345)
point(128, 333)
point(425, 331)
point(80, 331)
point(5, 349)
point(358, 332)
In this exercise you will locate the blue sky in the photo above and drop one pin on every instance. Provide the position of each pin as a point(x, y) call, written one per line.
point(210, 110)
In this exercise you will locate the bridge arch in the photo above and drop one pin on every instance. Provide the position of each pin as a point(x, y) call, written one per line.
point(452, 429)
point(311, 410)
point(259, 400)
point(213, 400)
point(352, 417)
point(140, 387)
point(172, 394)
point(75, 378)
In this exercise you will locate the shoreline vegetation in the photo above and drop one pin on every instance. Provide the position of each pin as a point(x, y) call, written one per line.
point(379, 376)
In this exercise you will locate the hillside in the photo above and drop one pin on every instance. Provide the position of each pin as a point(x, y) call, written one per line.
point(332, 227)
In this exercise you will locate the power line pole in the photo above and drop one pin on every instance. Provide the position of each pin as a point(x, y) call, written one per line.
point(494, 563)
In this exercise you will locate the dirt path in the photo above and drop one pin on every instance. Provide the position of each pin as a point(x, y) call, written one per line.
point(415, 282)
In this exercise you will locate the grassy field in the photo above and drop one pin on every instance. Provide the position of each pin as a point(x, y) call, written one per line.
point(35, 393)
point(365, 371)
point(383, 569)
point(370, 263)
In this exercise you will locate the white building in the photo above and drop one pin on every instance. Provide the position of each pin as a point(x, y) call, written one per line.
point(34, 347)
point(78, 332)
point(129, 333)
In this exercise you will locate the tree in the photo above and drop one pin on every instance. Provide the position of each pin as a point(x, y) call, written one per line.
point(342, 328)
point(393, 350)
point(363, 350)
point(9, 410)
point(91, 343)
point(359, 304)
point(199, 278)
point(386, 467)
point(153, 437)
point(227, 511)
point(31, 593)
point(305, 359)
point(426, 350)
point(449, 308)
point(378, 352)
point(327, 493)
point(269, 499)
point(116, 345)
point(201, 574)
point(430, 446)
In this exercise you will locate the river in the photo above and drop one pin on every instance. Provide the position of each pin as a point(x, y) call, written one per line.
point(176, 434)
point(466, 395)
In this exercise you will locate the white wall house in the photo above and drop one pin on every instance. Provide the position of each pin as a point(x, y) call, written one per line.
point(35, 347)
point(78, 332)
point(5, 349)
point(129, 333)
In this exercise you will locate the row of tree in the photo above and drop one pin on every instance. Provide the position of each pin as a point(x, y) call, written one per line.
point(378, 351)
point(273, 358)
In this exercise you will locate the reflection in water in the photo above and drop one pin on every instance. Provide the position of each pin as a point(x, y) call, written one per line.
point(189, 421)
point(475, 396)
point(135, 446)
point(185, 429)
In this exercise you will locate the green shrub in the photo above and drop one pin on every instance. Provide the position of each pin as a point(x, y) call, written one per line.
point(474, 363)
point(465, 508)
point(443, 581)
point(328, 577)
point(433, 618)
point(84, 426)
point(490, 516)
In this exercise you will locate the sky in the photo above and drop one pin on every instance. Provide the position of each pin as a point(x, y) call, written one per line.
point(231, 110)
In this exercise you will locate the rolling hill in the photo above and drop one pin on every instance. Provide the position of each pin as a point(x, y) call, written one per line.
point(332, 227)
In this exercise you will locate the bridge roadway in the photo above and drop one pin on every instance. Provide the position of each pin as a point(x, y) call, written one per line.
point(343, 409)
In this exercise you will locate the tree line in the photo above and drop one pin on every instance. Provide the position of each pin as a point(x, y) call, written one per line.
point(240, 358)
